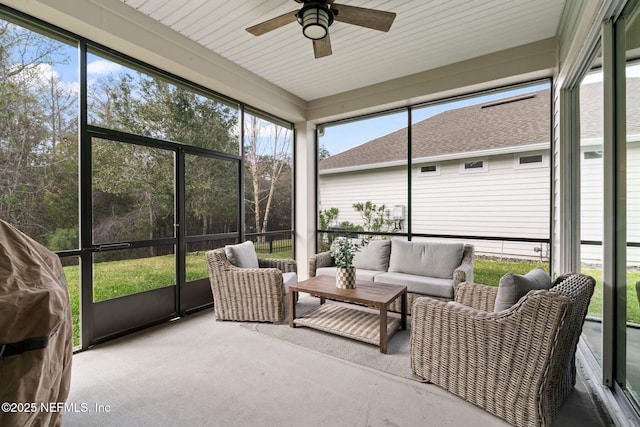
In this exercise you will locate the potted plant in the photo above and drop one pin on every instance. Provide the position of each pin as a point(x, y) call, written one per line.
point(343, 250)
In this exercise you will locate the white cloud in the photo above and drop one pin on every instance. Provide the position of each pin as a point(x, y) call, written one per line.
point(46, 72)
point(102, 67)
point(41, 73)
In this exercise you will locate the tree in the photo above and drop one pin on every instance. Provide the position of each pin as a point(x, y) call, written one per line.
point(327, 217)
point(136, 103)
point(373, 217)
point(38, 140)
point(267, 159)
point(323, 153)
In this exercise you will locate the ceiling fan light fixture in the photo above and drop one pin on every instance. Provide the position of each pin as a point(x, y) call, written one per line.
point(315, 19)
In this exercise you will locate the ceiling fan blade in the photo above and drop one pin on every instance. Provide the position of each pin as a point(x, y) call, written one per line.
point(369, 18)
point(273, 23)
point(322, 47)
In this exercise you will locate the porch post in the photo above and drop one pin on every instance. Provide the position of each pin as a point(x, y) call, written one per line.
point(305, 195)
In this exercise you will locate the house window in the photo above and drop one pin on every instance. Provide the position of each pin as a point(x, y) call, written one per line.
point(433, 169)
point(591, 155)
point(474, 166)
point(526, 160)
point(529, 161)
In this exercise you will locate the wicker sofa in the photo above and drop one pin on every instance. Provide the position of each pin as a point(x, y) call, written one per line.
point(426, 268)
point(256, 293)
point(517, 363)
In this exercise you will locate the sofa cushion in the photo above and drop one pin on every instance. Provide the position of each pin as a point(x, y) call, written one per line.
point(361, 274)
point(367, 275)
point(429, 259)
point(512, 287)
point(431, 286)
point(374, 256)
point(242, 255)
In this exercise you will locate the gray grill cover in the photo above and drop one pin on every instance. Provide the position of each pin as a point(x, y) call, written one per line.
point(34, 303)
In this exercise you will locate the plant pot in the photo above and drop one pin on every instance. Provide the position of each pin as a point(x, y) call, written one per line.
point(346, 278)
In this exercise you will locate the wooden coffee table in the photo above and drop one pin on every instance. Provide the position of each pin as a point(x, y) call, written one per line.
point(352, 322)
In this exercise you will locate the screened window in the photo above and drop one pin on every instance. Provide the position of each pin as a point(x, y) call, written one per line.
point(268, 154)
point(445, 157)
point(362, 176)
point(123, 98)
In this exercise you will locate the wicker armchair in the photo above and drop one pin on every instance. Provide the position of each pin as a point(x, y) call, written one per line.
point(248, 294)
point(518, 364)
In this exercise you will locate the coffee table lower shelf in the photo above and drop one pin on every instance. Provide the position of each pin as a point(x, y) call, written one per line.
point(348, 322)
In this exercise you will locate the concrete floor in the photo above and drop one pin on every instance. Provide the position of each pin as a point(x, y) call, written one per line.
point(199, 372)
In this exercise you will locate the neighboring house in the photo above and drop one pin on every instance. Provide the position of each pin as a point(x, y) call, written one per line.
point(481, 171)
point(591, 170)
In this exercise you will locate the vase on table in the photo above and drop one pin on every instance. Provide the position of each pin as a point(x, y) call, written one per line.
point(346, 277)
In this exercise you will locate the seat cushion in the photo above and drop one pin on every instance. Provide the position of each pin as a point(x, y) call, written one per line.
point(374, 256)
point(242, 255)
point(431, 286)
point(512, 287)
point(429, 259)
point(361, 274)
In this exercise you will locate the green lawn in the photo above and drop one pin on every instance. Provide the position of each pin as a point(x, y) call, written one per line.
point(118, 278)
point(490, 272)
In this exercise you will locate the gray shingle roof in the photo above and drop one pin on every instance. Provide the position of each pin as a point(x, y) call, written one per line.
point(510, 122)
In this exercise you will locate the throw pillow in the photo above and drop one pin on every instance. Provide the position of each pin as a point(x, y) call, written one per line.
point(429, 259)
point(512, 287)
point(242, 255)
point(374, 256)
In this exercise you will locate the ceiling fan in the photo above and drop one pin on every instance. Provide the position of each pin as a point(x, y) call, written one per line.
point(316, 17)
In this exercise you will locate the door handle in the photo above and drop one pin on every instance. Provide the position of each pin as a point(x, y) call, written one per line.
point(113, 246)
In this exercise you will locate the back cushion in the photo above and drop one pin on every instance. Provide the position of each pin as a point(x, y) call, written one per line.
point(374, 256)
point(512, 287)
point(242, 255)
point(425, 258)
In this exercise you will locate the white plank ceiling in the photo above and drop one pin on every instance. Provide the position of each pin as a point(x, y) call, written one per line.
point(426, 34)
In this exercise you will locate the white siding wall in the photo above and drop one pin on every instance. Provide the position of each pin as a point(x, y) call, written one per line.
point(501, 202)
point(591, 205)
point(633, 201)
point(380, 186)
point(504, 201)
